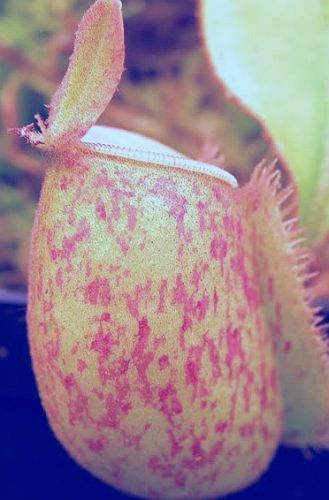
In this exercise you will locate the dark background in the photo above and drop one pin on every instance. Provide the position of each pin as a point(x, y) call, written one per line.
point(34, 466)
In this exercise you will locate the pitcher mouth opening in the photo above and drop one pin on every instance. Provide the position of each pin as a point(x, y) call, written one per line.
point(148, 150)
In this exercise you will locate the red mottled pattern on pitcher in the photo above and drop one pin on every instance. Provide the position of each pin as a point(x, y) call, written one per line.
point(150, 347)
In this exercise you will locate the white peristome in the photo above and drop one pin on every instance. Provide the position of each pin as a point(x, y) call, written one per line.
point(136, 146)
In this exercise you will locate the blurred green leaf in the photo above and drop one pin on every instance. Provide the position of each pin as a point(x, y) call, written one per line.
point(22, 24)
point(274, 57)
point(14, 30)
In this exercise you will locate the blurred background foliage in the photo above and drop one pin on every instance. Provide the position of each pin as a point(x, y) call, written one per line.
point(168, 92)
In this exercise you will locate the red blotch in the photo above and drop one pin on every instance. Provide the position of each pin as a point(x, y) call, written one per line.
point(215, 300)
point(263, 391)
point(103, 343)
point(162, 294)
point(53, 346)
point(242, 313)
point(274, 380)
point(196, 449)
point(100, 394)
point(234, 349)
point(213, 357)
point(143, 336)
point(187, 324)
point(64, 183)
point(191, 373)
point(59, 278)
point(142, 359)
point(265, 432)
point(100, 210)
point(96, 445)
point(123, 244)
point(132, 440)
point(160, 340)
point(202, 308)
point(202, 211)
point(180, 295)
point(132, 217)
point(140, 293)
point(106, 317)
point(169, 403)
point(69, 382)
point(247, 430)
point(199, 457)
point(77, 408)
point(218, 249)
point(198, 273)
point(115, 408)
point(193, 367)
point(228, 223)
point(116, 195)
point(98, 292)
point(253, 447)
point(250, 290)
point(215, 451)
point(248, 389)
point(81, 365)
point(278, 311)
point(163, 362)
point(176, 447)
point(221, 426)
point(167, 470)
point(177, 206)
point(69, 242)
point(75, 348)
